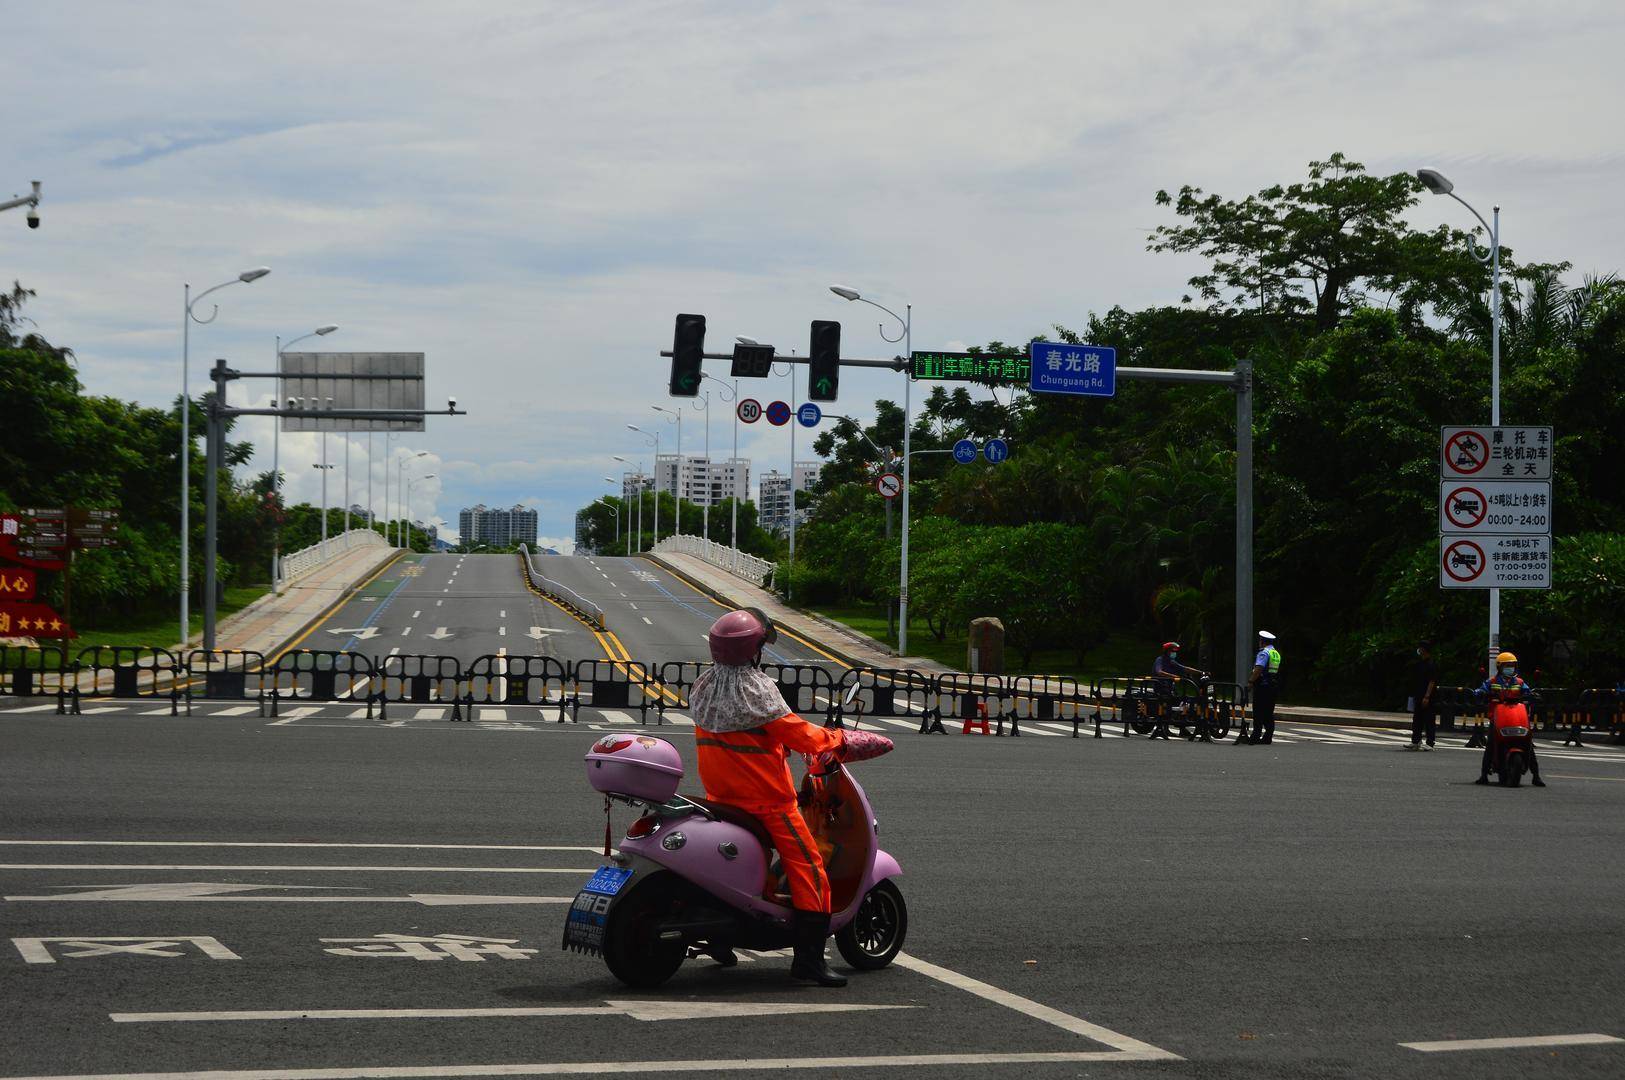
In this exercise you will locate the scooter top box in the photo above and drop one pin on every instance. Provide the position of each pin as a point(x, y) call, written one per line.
point(636, 766)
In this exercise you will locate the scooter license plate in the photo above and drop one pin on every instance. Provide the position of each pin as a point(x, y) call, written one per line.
point(607, 881)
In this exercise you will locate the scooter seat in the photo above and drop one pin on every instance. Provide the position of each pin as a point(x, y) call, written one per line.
point(733, 815)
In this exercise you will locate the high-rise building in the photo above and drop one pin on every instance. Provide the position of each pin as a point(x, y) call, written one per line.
point(703, 481)
point(631, 482)
point(773, 503)
point(497, 528)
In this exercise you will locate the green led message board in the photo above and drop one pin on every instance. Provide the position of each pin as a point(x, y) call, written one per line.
point(971, 367)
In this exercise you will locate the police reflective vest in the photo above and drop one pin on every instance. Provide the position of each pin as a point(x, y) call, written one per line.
point(1269, 658)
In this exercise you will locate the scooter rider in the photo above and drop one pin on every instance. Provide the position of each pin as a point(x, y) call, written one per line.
point(1166, 671)
point(1506, 679)
point(744, 732)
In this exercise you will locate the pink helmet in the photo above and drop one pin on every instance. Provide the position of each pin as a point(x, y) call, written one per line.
point(737, 638)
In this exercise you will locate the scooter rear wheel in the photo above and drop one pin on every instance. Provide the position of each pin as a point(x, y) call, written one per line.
point(875, 935)
point(633, 950)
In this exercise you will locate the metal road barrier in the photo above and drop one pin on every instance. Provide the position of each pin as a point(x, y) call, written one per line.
point(758, 572)
point(610, 684)
point(971, 700)
point(677, 677)
point(25, 673)
point(539, 681)
point(802, 686)
point(561, 594)
point(126, 671)
point(225, 674)
point(886, 693)
point(322, 675)
point(417, 679)
point(1055, 698)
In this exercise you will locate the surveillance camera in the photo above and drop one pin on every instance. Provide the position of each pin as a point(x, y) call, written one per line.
point(33, 219)
point(293, 403)
point(451, 403)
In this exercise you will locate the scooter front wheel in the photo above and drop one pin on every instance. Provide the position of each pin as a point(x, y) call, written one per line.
point(875, 935)
point(633, 950)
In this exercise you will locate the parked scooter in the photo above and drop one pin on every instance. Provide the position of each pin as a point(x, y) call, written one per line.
point(694, 877)
point(1511, 740)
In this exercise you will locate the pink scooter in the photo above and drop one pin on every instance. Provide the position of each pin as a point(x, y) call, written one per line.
point(694, 877)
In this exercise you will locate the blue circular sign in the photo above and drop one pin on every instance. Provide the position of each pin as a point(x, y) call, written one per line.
point(996, 450)
point(965, 451)
point(778, 413)
point(809, 415)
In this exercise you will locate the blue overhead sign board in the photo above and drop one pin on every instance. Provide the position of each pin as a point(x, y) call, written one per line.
point(809, 415)
point(1084, 370)
point(965, 451)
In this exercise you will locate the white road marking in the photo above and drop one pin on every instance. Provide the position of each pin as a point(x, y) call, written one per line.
point(40, 708)
point(493, 715)
point(190, 867)
point(358, 714)
point(429, 714)
point(415, 614)
point(294, 714)
point(629, 603)
point(155, 712)
point(502, 614)
point(502, 631)
point(617, 717)
point(1057, 1018)
point(293, 844)
point(636, 1010)
point(94, 710)
point(648, 620)
point(236, 710)
point(406, 631)
point(394, 651)
point(1511, 1044)
point(437, 603)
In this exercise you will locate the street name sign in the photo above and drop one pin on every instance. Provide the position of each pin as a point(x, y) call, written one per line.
point(1496, 453)
point(1495, 506)
point(1002, 370)
point(1081, 370)
point(1495, 561)
point(809, 414)
point(890, 485)
point(996, 450)
point(965, 451)
point(750, 410)
point(778, 413)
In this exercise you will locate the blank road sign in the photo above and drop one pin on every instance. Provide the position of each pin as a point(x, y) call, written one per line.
point(309, 377)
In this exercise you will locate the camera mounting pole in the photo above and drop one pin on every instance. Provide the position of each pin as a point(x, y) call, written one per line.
point(31, 201)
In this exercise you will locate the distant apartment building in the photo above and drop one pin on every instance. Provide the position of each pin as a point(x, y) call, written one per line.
point(583, 547)
point(773, 501)
point(631, 482)
point(498, 528)
point(360, 516)
point(702, 480)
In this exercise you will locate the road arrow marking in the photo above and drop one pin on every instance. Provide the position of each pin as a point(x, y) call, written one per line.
point(539, 633)
point(361, 633)
point(441, 634)
point(636, 1010)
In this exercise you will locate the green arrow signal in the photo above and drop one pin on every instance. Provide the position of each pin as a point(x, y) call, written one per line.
point(686, 381)
point(823, 385)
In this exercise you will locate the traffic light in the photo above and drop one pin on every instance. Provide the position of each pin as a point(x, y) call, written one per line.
point(687, 353)
point(824, 361)
point(752, 361)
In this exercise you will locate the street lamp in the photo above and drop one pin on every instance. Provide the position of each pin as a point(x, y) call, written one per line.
point(655, 436)
point(187, 319)
point(615, 507)
point(1439, 184)
point(322, 465)
point(677, 481)
point(732, 397)
point(400, 491)
point(637, 529)
point(406, 511)
point(276, 450)
point(907, 337)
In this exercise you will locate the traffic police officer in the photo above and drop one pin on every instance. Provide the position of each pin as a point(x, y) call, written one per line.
point(1265, 682)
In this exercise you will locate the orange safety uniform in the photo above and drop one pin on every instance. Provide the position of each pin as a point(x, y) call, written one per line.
point(751, 770)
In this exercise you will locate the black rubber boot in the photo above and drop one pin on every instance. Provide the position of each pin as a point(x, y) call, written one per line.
point(812, 931)
point(1482, 780)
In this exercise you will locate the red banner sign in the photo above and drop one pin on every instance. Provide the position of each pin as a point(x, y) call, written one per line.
point(16, 583)
point(32, 620)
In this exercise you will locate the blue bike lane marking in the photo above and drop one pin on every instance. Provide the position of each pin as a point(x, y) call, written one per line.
point(382, 606)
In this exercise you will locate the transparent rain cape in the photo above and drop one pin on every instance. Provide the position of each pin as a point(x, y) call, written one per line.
point(728, 698)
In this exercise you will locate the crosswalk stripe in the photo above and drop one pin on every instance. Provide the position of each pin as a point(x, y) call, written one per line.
point(37, 708)
point(493, 715)
point(236, 710)
point(429, 714)
point(616, 717)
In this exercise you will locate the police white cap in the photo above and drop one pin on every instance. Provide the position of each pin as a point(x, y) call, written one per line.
point(1265, 635)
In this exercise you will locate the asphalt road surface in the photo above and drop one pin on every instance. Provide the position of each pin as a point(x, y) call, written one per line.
point(177, 892)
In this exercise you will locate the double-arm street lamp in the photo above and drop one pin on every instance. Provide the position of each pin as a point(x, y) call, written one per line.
point(406, 511)
point(1439, 184)
point(654, 437)
point(276, 450)
point(907, 337)
point(677, 480)
point(400, 492)
point(615, 507)
point(636, 527)
point(187, 318)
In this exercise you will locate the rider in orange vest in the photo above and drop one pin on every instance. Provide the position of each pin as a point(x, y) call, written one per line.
point(744, 733)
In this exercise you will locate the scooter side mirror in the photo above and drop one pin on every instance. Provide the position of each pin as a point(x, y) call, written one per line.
point(851, 696)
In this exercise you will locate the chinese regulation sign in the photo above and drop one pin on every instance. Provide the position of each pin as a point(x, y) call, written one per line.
point(1495, 508)
point(1087, 370)
point(1491, 453)
point(969, 367)
point(750, 410)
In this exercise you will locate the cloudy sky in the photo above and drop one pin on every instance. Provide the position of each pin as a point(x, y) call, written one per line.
point(529, 192)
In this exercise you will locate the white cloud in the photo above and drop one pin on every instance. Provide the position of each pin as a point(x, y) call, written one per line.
point(529, 192)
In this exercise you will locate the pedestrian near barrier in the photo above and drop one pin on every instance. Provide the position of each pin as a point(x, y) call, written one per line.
point(1265, 683)
point(1423, 685)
